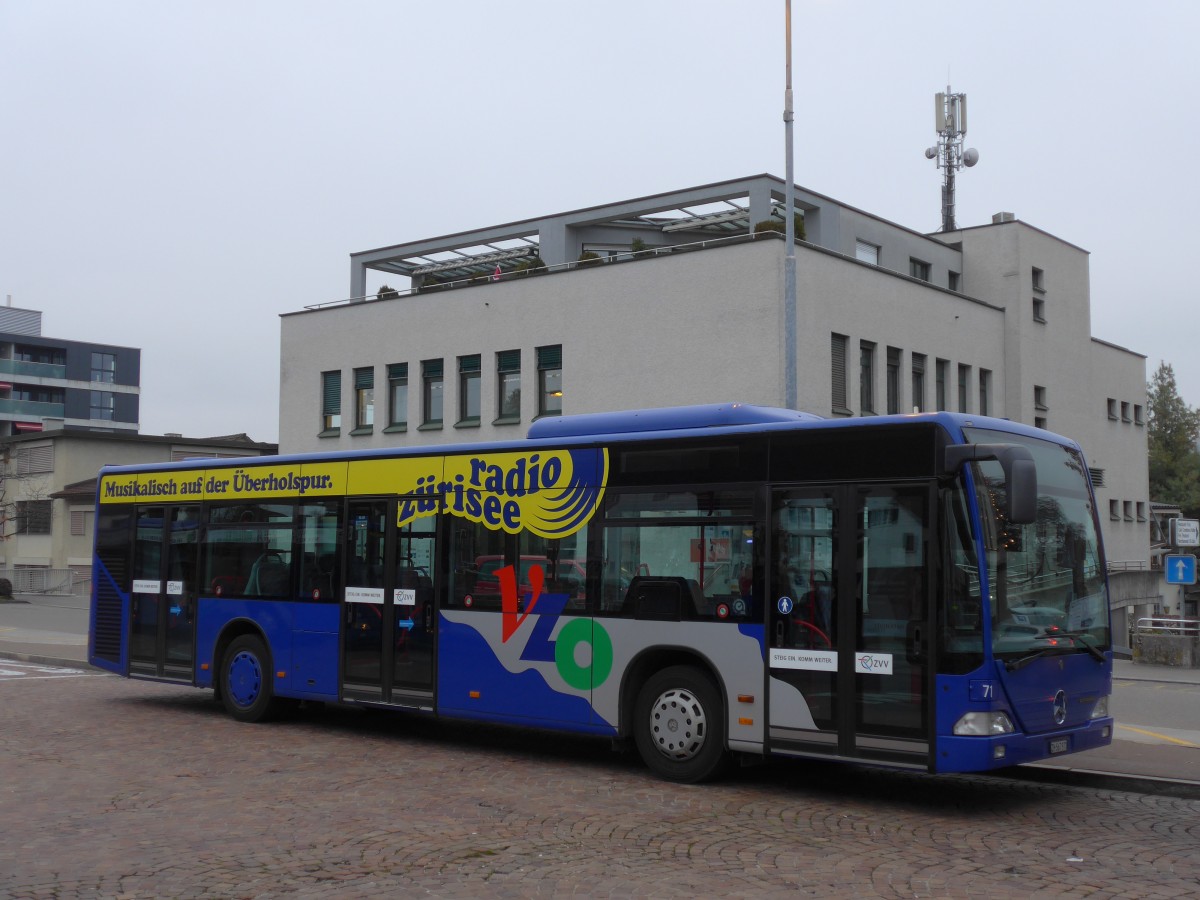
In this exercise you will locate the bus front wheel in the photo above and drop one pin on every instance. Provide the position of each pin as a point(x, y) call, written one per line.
point(246, 680)
point(679, 725)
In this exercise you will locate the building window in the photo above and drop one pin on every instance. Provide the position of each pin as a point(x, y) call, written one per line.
point(1039, 310)
point(49, 356)
point(1125, 412)
point(469, 381)
point(1040, 422)
point(985, 392)
point(964, 381)
point(331, 401)
point(918, 269)
point(1039, 397)
point(1097, 476)
point(839, 345)
point(1141, 511)
point(866, 377)
point(1039, 279)
point(1114, 510)
point(954, 281)
point(508, 386)
point(942, 375)
point(1112, 409)
point(104, 367)
point(364, 400)
point(33, 516)
point(868, 253)
point(398, 396)
point(79, 522)
point(432, 393)
point(1128, 504)
point(918, 382)
point(103, 406)
point(893, 380)
point(550, 388)
point(1137, 415)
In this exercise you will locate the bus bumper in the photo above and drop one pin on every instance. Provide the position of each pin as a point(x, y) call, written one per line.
point(982, 754)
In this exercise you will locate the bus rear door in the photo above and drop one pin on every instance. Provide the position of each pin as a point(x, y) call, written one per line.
point(163, 592)
point(849, 596)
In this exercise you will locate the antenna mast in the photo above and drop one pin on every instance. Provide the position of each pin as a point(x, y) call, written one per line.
point(950, 122)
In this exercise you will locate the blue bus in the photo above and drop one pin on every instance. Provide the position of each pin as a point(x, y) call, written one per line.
point(924, 592)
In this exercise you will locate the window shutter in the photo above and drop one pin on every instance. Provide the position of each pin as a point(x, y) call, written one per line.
point(468, 364)
point(397, 371)
point(838, 370)
point(550, 357)
point(331, 393)
point(364, 379)
point(508, 361)
point(432, 368)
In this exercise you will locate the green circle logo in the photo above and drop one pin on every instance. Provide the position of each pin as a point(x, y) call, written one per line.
point(583, 631)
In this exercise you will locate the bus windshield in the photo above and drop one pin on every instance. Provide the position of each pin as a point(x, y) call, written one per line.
point(1047, 589)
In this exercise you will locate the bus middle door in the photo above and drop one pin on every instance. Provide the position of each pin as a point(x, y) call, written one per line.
point(388, 605)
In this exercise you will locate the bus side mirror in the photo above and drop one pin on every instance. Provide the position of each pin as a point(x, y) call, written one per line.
point(1020, 475)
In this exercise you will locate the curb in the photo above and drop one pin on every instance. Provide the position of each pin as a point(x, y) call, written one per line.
point(42, 660)
point(1177, 788)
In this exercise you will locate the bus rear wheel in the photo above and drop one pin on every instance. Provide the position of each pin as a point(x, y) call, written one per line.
point(679, 725)
point(246, 680)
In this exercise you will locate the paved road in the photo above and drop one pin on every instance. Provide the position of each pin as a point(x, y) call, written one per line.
point(115, 788)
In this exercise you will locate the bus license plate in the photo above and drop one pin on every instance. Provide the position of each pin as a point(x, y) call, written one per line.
point(1059, 745)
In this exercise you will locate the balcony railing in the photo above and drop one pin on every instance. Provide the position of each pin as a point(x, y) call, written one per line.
point(10, 367)
point(32, 409)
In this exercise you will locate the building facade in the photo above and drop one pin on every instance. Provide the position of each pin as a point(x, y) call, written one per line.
point(49, 382)
point(48, 496)
point(678, 299)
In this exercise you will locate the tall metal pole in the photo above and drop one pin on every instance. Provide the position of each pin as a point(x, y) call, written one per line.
point(789, 262)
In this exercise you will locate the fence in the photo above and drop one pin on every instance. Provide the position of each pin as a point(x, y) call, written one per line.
point(38, 580)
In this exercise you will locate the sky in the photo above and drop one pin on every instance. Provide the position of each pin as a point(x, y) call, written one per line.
point(175, 176)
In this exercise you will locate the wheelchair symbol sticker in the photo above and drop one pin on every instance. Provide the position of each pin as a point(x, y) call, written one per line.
point(785, 605)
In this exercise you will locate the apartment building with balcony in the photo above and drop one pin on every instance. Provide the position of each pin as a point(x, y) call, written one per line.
point(51, 383)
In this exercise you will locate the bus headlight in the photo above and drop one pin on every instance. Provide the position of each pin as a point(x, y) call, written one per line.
point(1100, 710)
point(984, 723)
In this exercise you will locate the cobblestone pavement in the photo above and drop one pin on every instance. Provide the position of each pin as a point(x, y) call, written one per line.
point(121, 789)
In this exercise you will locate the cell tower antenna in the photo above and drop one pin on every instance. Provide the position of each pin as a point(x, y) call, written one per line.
point(950, 122)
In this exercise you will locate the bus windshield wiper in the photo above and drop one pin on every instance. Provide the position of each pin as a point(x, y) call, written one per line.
point(1081, 639)
point(1012, 665)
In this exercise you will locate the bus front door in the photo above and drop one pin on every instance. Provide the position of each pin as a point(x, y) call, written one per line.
point(849, 619)
point(163, 592)
point(388, 605)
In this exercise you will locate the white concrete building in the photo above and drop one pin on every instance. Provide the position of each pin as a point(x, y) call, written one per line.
point(674, 299)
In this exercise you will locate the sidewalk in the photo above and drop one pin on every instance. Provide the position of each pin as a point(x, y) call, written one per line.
point(45, 628)
point(53, 630)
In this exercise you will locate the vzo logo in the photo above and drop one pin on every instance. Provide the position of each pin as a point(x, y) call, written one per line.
point(562, 651)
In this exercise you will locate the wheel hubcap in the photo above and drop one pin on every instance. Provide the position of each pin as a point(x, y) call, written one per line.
point(245, 679)
point(678, 725)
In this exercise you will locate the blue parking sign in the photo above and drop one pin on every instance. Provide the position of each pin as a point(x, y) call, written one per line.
point(1180, 568)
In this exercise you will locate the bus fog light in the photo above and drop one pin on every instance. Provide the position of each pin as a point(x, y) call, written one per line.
point(999, 751)
point(983, 724)
point(1100, 711)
